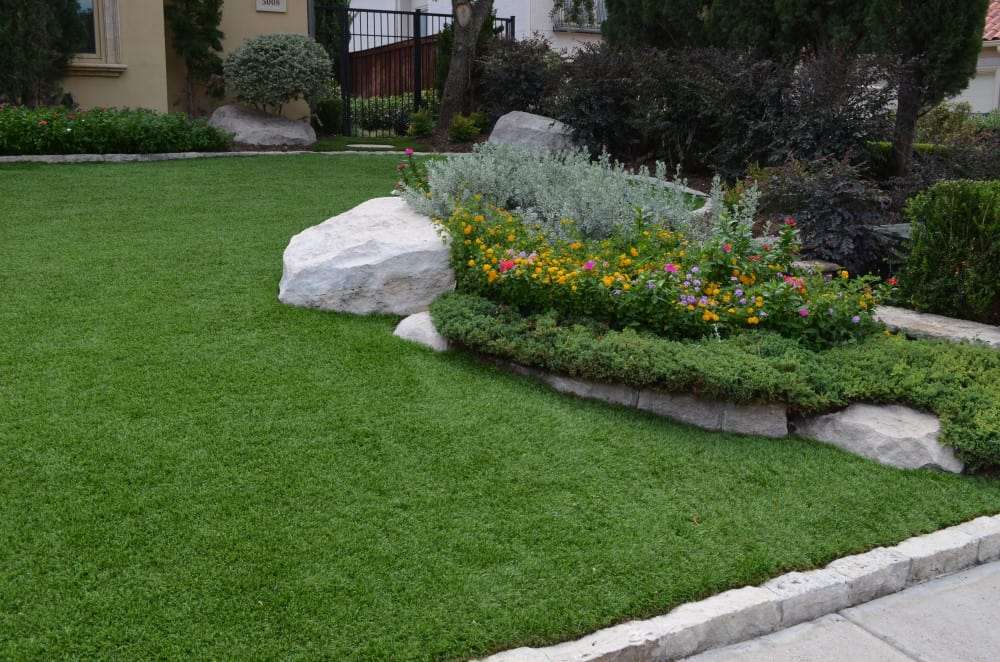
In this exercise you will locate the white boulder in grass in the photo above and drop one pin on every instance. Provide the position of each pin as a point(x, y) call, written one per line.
point(420, 329)
point(257, 129)
point(380, 257)
point(889, 434)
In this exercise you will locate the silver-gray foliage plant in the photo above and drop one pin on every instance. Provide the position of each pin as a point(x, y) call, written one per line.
point(547, 190)
point(270, 70)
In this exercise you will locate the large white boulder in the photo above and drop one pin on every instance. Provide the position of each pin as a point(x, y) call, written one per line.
point(893, 435)
point(535, 131)
point(380, 257)
point(256, 129)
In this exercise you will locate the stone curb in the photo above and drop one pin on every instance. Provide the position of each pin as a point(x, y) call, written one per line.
point(182, 156)
point(742, 614)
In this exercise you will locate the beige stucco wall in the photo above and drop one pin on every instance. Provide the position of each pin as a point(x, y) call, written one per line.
point(143, 84)
point(240, 21)
point(983, 93)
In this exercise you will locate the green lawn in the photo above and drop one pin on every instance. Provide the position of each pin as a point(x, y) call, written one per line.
point(192, 470)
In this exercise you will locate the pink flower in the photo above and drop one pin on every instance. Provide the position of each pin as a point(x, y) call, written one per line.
point(589, 265)
point(803, 312)
point(507, 265)
point(670, 268)
point(43, 123)
point(409, 151)
point(893, 282)
point(727, 248)
point(790, 222)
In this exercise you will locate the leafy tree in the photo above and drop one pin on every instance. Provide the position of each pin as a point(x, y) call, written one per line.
point(657, 23)
point(196, 37)
point(935, 45)
point(37, 40)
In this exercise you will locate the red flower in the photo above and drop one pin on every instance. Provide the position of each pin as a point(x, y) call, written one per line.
point(754, 258)
point(767, 247)
point(893, 281)
point(790, 222)
point(507, 265)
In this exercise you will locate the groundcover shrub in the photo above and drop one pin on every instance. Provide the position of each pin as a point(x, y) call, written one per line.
point(546, 189)
point(954, 266)
point(59, 130)
point(647, 276)
point(959, 383)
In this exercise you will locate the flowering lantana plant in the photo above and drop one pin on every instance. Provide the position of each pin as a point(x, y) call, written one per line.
point(658, 280)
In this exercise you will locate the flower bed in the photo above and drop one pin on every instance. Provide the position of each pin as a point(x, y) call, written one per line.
point(58, 130)
point(653, 278)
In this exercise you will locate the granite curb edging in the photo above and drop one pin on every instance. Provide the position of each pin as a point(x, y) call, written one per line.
point(790, 599)
point(182, 156)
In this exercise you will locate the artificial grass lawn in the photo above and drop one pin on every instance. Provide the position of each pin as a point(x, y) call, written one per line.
point(190, 469)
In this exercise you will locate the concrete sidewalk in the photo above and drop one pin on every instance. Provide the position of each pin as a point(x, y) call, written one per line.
point(954, 619)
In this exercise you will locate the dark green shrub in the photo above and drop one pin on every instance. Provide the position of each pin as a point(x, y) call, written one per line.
point(959, 383)
point(445, 43)
point(518, 75)
point(833, 205)
point(104, 131)
point(954, 266)
point(463, 129)
point(421, 124)
point(947, 124)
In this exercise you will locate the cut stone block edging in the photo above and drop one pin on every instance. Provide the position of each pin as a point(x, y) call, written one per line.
point(380, 257)
point(184, 156)
point(926, 325)
point(743, 614)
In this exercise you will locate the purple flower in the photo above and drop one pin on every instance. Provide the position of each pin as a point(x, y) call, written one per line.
point(734, 279)
point(589, 265)
point(687, 283)
point(743, 302)
point(803, 312)
point(738, 292)
point(856, 319)
point(650, 285)
point(697, 283)
point(695, 270)
point(704, 300)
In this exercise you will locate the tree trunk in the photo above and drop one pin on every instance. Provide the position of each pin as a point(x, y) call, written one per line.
point(463, 53)
point(910, 101)
point(189, 93)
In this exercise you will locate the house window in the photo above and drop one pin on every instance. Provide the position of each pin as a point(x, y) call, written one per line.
point(89, 20)
point(561, 21)
point(100, 52)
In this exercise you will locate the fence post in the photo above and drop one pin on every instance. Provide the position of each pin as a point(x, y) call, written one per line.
point(511, 26)
point(346, 85)
point(418, 61)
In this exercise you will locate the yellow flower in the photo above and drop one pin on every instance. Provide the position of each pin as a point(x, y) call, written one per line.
point(472, 264)
point(753, 321)
point(511, 238)
point(487, 267)
point(576, 245)
point(709, 316)
point(635, 252)
point(845, 274)
point(492, 276)
point(479, 218)
point(467, 229)
point(759, 301)
point(608, 281)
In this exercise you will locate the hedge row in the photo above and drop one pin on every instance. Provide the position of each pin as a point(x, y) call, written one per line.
point(959, 383)
point(60, 130)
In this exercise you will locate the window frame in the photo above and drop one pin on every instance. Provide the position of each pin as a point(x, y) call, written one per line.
point(106, 62)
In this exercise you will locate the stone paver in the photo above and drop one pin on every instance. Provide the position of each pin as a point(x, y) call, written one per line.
point(924, 325)
point(953, 619)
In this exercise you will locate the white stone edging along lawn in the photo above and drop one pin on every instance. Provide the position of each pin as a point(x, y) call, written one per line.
point(183, 156)
point(797, 597)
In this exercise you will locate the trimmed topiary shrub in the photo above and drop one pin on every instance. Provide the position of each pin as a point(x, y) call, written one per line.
point(954, 266)
point(270, 70)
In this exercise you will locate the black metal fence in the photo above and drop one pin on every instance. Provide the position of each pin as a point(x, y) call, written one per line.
point(387, 63)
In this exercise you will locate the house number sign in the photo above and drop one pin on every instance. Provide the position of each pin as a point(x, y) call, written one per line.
point(273, 5)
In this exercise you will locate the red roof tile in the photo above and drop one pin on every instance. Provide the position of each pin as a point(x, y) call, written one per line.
point(992, 32)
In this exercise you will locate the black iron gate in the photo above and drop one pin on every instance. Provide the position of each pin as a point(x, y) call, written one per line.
point(387, 63)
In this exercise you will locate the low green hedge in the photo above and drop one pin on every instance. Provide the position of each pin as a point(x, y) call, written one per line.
point(59, 130)
point(954, 265)
point(959, 383)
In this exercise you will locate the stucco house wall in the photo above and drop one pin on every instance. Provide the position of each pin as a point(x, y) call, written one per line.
point(983, 93)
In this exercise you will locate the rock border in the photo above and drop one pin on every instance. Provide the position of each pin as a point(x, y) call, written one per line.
point(894, 440)
point(796, 597)
point(938, 327)
point(182, 156)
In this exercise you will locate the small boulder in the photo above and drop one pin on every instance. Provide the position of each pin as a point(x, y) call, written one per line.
point(535, 131)
point(256, 129)
point(889, 434)
point(420, 329)
point(380, 257)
